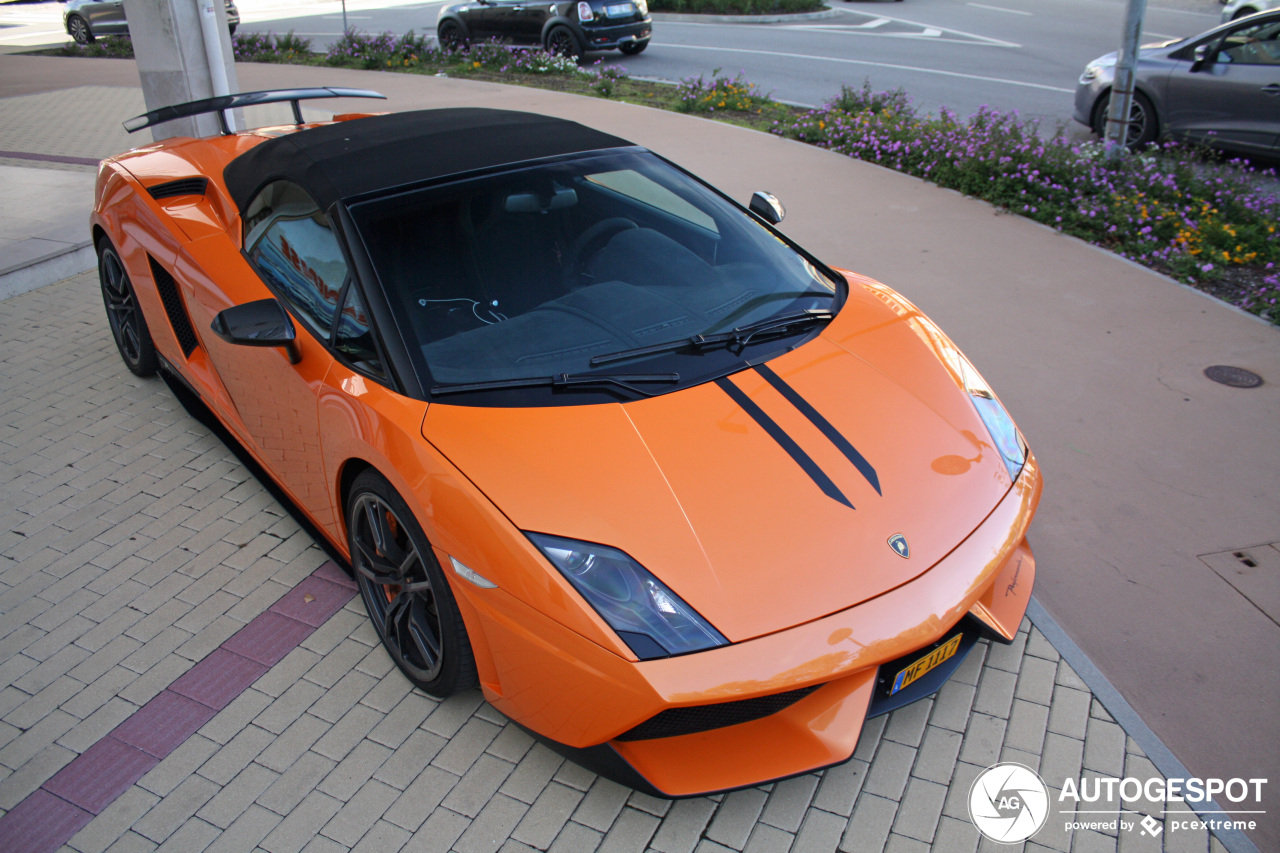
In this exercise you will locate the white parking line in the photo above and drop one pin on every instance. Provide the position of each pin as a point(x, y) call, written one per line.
point(999, 9)
point(18, 37)
point(940, 73)
point(987, 39)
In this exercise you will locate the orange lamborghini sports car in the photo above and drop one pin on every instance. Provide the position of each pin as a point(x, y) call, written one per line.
point(683, 501)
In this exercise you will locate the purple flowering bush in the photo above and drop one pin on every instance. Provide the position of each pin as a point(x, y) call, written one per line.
point(269, 47)
point(1207, 223)
point(381, 52)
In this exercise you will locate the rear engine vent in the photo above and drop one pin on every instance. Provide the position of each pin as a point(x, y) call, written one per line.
point(703, 718)
point(175, 308)
point(182, 186)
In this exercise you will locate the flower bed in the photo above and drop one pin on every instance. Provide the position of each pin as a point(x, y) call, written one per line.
point(1178, 210)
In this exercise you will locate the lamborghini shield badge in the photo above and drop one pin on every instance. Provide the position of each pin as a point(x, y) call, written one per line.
point(898, 543)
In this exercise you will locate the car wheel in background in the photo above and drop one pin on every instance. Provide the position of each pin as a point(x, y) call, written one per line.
point(562, 42)
point(1144, 125)
point(405, 591)
point(124, 315)
point(450, 36)
point(79, 30)
point(632, 48)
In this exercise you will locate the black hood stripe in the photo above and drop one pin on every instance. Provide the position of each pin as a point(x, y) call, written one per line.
point(784, 441)
point(815, 417)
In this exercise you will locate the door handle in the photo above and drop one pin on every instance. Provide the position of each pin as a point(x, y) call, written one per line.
point(1273, 89)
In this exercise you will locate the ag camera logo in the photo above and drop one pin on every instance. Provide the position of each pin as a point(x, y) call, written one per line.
point(1008, 802)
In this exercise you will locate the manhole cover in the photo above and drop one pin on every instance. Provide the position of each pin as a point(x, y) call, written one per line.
point(1236, 377)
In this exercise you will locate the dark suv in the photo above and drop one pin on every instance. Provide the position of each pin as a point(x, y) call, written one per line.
point(566, 28)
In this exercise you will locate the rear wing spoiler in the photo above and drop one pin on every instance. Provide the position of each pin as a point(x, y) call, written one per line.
point(222, 103)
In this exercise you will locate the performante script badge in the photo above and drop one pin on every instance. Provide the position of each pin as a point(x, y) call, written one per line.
point(1008, 803)
point(898, 543)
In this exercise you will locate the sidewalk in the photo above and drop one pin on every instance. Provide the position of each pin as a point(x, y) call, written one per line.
point(132, 545)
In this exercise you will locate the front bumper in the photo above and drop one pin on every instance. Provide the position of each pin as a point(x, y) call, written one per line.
point(580, 698)
point(1087, 94)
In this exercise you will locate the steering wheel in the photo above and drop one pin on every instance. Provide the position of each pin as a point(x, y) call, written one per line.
point(588, 243)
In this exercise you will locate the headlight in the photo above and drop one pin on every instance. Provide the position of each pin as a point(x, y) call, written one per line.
point(1006, 436)
point(651, 619)
point(1093, 69)
point(1008, 441)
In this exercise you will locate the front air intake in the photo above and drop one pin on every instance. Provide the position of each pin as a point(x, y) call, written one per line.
point(674, 722)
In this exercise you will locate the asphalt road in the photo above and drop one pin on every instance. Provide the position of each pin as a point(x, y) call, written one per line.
point(1022, 55)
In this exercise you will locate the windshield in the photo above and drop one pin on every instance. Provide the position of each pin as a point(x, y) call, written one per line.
point(579, 268)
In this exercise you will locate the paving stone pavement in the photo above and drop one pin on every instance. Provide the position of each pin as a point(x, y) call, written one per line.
point(133, 544)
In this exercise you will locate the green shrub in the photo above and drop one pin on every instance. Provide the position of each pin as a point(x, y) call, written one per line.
point(719, 94)
point(113, 47)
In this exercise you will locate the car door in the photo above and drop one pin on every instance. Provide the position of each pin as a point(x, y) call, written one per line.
point(291, 247)
point(1232, 98)
point(107, 18)
point(527, 20)
point(486, 19)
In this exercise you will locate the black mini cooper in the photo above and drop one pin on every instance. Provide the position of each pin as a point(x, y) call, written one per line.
point(565, 28)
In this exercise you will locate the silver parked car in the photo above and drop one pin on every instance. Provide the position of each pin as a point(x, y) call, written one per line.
point(85, 20)
point(1220, 88)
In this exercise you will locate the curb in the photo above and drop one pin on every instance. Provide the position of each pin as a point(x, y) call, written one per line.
point(56, 266)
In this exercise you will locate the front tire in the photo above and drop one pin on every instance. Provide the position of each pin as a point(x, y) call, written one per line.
point(404, 590)
point(124, 314)
point(78, 29)
point(562, 42)
point(1144, 125)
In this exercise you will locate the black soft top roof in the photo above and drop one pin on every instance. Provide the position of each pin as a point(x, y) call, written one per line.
point(350, 158)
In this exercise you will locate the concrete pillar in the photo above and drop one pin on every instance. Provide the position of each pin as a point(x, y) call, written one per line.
point(173, 61)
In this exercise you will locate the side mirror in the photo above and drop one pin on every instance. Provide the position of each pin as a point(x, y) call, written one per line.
point(767, 207)
point(264, 323)
point(1200, 58)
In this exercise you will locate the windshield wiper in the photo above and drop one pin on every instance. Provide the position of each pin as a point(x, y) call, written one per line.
point(562, 380)
point(763, 330)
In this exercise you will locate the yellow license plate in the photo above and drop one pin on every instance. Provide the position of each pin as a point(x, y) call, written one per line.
point(926, 663)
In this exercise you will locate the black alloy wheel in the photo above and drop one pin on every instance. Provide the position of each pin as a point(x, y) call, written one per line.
point(78, 27)
point(405, 591)
point(562, 42)
point(124, 315)
point(449, 34)
point(1143, 127)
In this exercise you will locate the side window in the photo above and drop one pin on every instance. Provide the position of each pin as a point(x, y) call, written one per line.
point(353, 339)
point(293, 248)
point(1256, 44)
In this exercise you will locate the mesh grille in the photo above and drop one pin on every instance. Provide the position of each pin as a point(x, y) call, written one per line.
point(182, 186)
point(704, 718)
point(175, 308)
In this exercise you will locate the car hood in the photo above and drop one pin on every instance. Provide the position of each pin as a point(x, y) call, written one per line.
point(745, 496)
